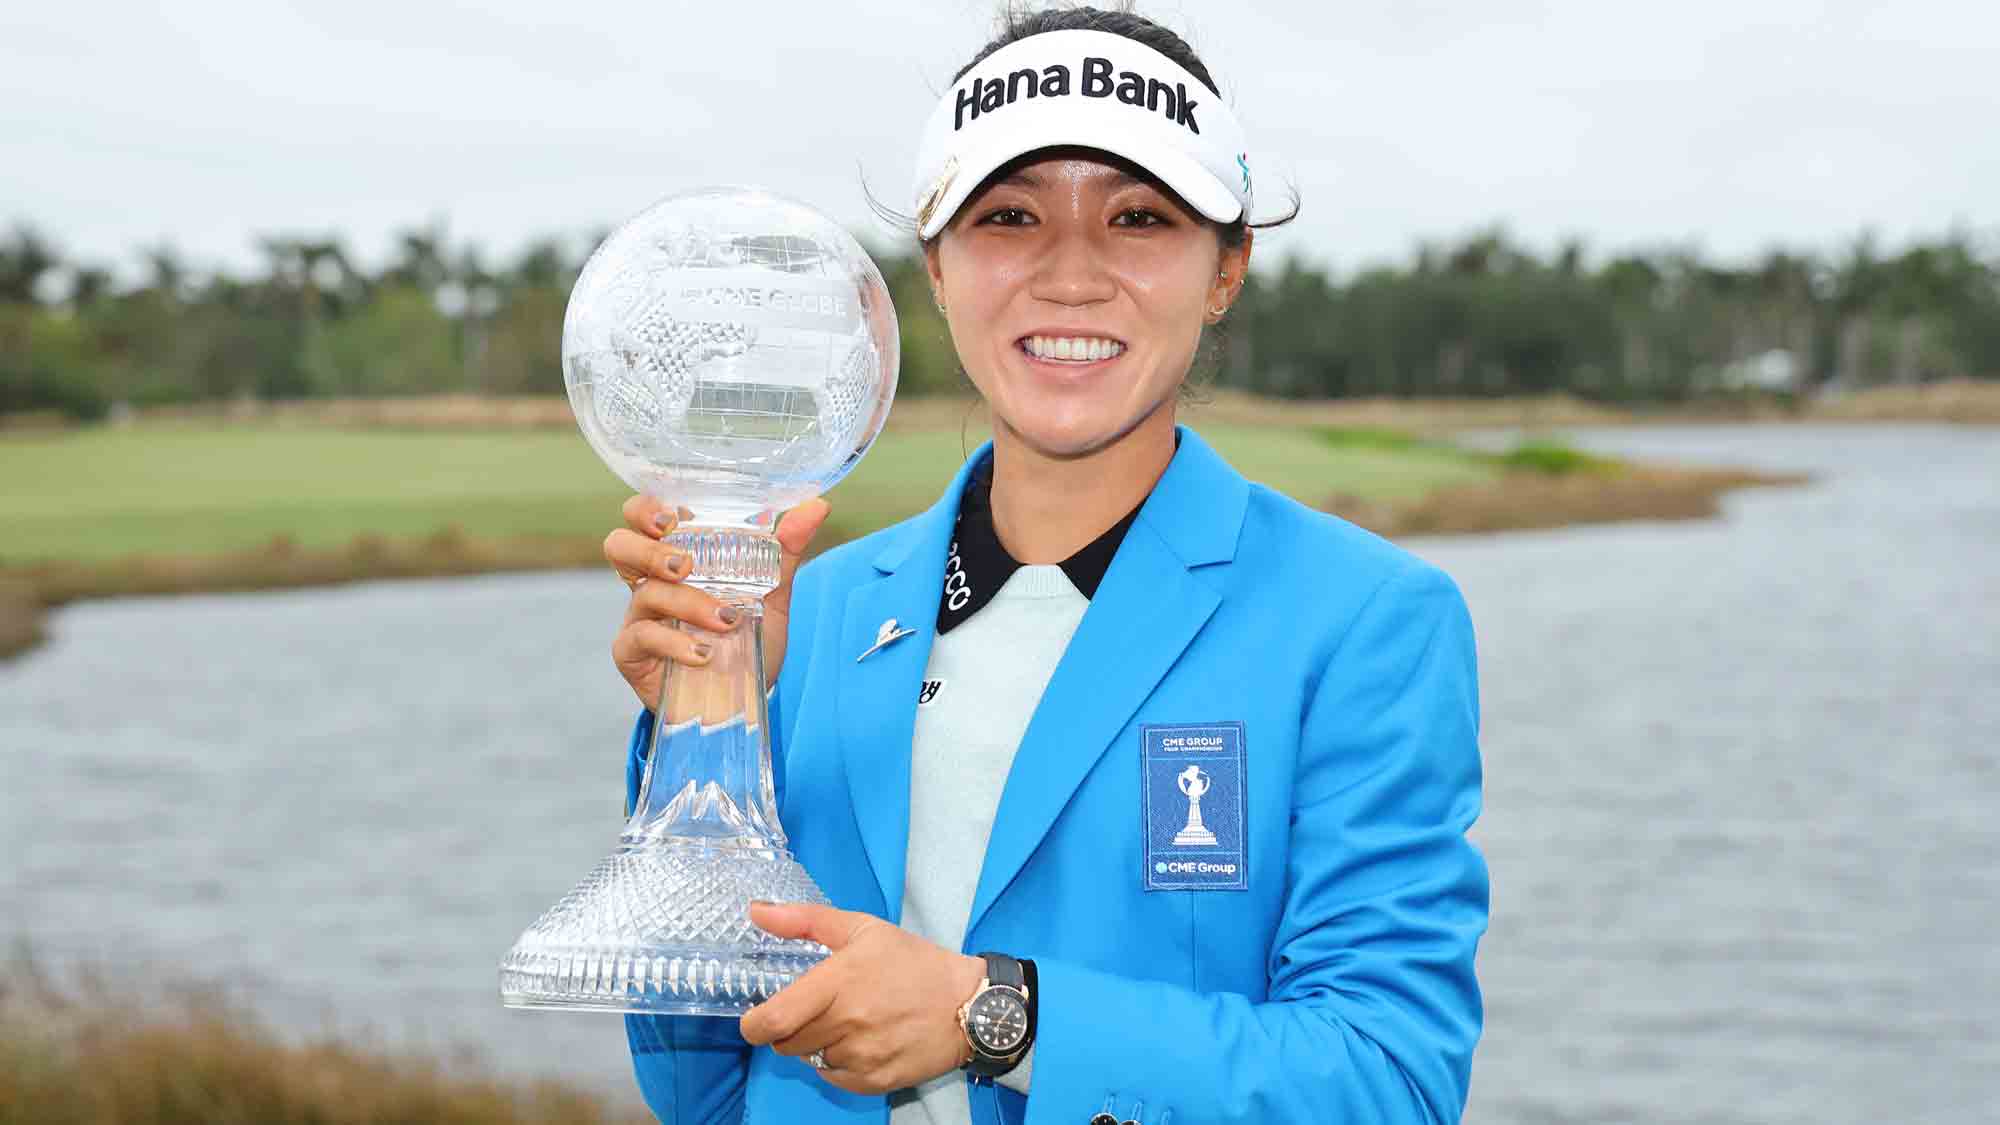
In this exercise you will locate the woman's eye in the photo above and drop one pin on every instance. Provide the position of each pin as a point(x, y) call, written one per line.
point(1138, 217)
point(1007, 217)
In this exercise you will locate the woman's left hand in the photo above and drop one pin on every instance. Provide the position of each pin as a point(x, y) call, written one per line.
point(883, 1008)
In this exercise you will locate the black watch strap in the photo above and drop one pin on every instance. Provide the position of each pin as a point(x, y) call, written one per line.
point(1002, 969)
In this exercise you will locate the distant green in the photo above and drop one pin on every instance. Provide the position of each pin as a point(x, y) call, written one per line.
point(1553, 458)
point(167, 489)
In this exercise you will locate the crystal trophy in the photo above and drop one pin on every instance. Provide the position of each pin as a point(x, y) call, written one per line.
point(731, 352)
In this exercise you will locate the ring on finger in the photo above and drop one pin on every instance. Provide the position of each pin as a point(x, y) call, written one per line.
point(818, 1059)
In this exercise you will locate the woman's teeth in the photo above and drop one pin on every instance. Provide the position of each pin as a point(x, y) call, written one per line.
point(1086, 349)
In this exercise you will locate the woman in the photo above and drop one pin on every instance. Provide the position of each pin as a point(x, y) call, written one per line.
point(1159, 813)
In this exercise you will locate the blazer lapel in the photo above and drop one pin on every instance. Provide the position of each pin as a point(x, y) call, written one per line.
point(1147, 610)
point(877, 703)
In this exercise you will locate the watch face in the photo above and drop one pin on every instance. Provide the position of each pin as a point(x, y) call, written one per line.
point(998, 1020)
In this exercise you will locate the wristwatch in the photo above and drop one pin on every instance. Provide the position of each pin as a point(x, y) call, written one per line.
point(998, 1021)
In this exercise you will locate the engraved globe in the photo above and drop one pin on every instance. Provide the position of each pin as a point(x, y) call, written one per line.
point(731, 352)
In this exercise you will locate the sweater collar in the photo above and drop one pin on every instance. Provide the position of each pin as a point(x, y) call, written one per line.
point(979, 564)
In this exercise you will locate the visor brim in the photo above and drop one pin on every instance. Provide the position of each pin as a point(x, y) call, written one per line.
point(1186, 176)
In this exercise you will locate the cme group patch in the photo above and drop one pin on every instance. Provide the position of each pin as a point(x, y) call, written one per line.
point(1192, 787)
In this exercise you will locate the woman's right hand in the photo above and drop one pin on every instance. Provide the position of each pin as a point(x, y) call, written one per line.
point(654, 570)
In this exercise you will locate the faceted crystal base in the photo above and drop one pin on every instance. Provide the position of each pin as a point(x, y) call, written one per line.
point(664, 928)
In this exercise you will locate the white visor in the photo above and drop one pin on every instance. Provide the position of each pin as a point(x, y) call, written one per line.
point(1088, 88)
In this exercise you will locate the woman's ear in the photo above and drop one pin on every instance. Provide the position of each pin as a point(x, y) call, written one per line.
point(1235, 266)
point(936, 273)
point(1231, 269)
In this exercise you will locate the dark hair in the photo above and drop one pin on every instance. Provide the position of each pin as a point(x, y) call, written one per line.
point(1018, 21)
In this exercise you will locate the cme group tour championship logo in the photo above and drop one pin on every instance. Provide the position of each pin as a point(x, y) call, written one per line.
point(1194, 806)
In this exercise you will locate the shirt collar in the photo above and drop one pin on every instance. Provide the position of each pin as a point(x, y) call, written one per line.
point(979, 565)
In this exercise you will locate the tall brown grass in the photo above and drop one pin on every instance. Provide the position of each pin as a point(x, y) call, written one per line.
point(75, 1055)
point(20, 617)
point(1973, 402)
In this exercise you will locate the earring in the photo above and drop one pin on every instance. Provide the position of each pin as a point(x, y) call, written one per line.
point(1217, 312)
point(939, 300)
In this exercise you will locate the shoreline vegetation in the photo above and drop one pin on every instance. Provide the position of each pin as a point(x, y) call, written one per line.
point(260, 495)
point(80, 1054)
point(1973, 402)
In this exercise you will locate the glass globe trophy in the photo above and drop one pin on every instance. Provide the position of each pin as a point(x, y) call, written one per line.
point(731, 352)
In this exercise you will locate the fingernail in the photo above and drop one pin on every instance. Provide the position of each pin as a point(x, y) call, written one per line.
point(678, 564)
point(662, 521)
point(728, 614)
point(703, 649)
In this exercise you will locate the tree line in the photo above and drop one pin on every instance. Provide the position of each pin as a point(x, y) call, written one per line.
point(1480, 316)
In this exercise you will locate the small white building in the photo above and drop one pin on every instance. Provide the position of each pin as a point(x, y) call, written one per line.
point(1774, 370)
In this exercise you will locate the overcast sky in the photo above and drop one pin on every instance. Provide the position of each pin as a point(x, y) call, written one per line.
point(1731, 125)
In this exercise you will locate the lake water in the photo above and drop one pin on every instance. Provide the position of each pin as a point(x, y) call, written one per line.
point(1743, 795)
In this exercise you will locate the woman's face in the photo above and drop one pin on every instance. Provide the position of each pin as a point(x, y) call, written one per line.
point(1076, 293)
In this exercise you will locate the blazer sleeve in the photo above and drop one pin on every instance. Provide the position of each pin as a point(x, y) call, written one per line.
point(691, 1069)
point(1372, 1008)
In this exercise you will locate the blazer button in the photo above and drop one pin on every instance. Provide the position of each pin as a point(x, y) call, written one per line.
point(1103, 1119)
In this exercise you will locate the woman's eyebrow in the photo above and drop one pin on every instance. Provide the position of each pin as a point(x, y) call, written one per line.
point(1119, 177)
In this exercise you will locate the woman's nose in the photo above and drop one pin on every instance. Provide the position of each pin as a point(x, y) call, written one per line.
point(1072, 272)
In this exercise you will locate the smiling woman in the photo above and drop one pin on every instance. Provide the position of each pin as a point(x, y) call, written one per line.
point(1141, 791)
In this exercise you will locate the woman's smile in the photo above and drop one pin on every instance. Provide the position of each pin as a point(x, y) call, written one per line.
point(1070, 358)
point(1071, 350)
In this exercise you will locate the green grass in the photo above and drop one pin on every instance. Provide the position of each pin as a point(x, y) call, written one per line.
point(104, 493)
point(158, 489)
point(1554, 458)
point(1370, 437)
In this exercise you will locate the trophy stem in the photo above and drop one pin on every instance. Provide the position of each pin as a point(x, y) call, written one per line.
point(662, 925)
point(708, 770)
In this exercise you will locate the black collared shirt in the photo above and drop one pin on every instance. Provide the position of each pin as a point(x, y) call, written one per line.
point(979, 565)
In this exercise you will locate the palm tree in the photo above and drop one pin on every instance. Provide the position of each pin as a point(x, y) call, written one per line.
point(88, 285)
point(541, 263)
point(25, 258)
point(420, 258)
point(167, 274)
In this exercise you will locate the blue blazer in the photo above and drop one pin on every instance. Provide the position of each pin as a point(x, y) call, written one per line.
point(1328, 978)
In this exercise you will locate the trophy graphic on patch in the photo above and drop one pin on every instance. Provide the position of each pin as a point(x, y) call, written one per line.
point(1194, 783)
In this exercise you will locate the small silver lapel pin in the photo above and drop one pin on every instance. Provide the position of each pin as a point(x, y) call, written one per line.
point(888, 634)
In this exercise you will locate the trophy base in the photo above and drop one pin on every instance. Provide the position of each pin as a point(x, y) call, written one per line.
point(664, 928)
point(1194, 838)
